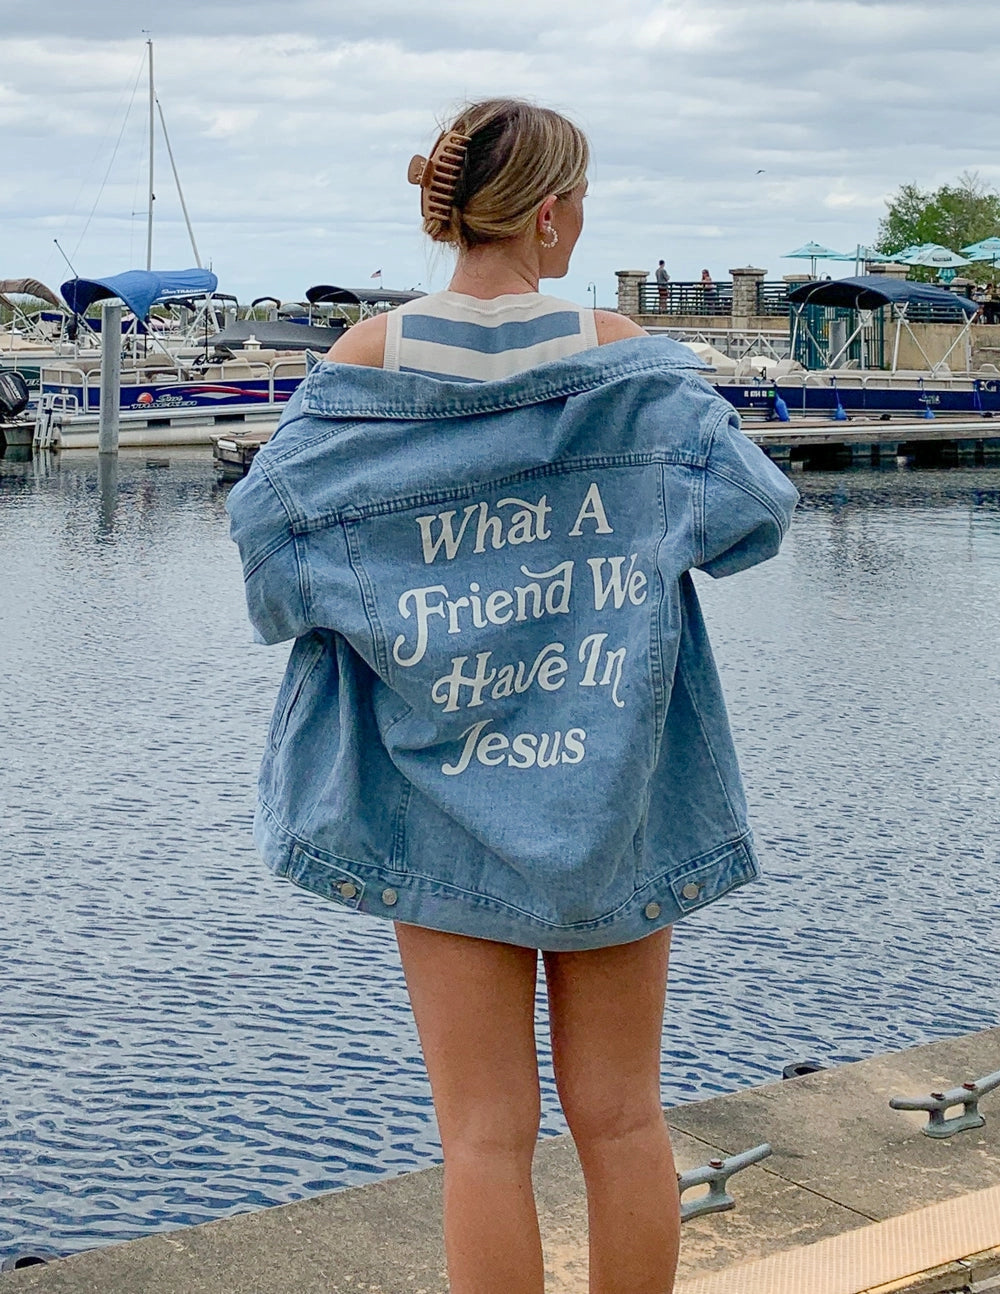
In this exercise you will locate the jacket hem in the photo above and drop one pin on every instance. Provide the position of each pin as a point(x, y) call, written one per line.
point(398, 895)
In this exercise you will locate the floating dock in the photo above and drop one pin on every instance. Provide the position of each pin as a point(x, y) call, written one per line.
point(854, 1199)
point(802, 442)
point(881, 442)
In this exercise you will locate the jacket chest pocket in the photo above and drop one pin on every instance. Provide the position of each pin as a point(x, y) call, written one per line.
point(305, 656)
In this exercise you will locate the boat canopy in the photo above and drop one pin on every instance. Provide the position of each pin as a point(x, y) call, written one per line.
point(139, 289)
point(28, 288)
point(872, 291)
point(358, 296)
point(280, 335)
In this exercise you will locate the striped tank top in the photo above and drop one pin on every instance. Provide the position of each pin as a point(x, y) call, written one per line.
point(459, 338)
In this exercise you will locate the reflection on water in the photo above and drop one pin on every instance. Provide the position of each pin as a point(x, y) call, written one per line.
point(186, 1038)
point(107, 491)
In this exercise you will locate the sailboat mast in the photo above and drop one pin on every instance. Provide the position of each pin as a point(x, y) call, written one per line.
point(177, 181)
point(149, 209)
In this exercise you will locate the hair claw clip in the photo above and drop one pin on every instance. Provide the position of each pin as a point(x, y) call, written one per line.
point(438, 174)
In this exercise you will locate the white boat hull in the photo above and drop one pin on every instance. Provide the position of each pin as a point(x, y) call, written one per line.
point(81, 432)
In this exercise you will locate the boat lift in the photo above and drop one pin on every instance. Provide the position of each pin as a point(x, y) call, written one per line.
point(868, 293)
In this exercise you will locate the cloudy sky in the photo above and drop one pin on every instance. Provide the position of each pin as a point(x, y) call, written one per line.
point(724, 133)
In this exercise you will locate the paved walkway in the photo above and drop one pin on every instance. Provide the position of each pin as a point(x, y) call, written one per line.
point(843, 1166)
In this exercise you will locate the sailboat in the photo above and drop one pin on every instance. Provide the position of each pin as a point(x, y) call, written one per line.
point(172, 392)
point(155, 103)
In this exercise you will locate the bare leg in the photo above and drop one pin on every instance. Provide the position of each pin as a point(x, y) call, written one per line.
point(606, 1012)
point(474, 1003)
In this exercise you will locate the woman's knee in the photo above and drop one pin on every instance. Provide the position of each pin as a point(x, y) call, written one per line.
point(607, 1116)
point(494, 1131)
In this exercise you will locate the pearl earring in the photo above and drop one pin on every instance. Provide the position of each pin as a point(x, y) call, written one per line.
point(551, 242)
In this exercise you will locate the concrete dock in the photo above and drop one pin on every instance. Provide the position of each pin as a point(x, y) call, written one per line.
point(855, 1199)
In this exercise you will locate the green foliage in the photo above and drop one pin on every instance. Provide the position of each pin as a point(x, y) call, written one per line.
point(29, 305)
point(954, 215)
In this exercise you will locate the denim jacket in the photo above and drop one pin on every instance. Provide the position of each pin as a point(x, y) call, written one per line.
point(501, 716)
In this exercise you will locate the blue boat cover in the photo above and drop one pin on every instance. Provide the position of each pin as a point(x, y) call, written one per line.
point(139, 289)
point(870, 291)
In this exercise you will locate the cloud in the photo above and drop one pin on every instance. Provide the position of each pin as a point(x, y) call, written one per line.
point(292, 127)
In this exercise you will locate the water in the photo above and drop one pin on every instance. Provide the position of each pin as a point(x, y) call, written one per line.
point(185, 1038)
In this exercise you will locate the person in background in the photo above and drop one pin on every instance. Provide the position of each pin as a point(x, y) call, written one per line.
point(501, 726)
point(662, 286)
point(709, 294)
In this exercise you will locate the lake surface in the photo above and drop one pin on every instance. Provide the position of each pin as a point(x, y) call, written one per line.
point(184, 1037)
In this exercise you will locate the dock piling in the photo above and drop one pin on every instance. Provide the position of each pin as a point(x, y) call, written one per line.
point(111, 375)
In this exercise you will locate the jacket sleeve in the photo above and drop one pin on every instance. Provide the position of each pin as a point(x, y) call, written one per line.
point(746, 502)
point(260, 527)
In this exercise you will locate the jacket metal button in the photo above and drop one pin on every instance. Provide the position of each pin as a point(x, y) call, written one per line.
point(348, 890)
point(691, 890)
point(652, 910)
point(389, 897)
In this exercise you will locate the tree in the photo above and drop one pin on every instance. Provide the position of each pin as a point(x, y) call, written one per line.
point(954, 215)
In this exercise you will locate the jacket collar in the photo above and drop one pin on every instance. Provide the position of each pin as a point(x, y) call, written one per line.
point(352, 391)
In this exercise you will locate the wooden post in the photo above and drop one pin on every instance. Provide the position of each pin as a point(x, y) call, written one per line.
point(111, 376)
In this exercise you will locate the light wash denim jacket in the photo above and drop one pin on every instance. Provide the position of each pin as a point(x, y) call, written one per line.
point(501, 716)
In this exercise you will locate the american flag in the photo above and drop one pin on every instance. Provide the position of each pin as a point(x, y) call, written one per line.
point(376, 275)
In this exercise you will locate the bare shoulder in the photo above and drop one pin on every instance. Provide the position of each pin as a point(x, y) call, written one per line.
point(363, 344)
point(615, 327)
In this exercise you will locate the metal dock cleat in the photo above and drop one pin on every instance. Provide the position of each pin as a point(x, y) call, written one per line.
point(715, 1174)
point(968, 1095)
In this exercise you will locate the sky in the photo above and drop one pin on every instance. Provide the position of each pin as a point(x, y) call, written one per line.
point(724, 133)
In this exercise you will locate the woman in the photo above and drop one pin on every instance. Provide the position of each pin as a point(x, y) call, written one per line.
point(501, 726)
point(709, 293)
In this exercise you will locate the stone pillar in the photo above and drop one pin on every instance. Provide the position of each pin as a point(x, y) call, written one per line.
point(746, 280)
point(629, 282)
point(889, 268)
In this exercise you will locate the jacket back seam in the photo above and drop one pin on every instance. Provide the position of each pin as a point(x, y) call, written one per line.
point(453, 493)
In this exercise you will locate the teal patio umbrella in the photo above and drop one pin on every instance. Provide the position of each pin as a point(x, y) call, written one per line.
point(812, 252)
point(934, 256)
point(988, 249)
point(860, 254)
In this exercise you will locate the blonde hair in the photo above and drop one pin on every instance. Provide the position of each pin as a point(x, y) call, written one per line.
point(516, 156)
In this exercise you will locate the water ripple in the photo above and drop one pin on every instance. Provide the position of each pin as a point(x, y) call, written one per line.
point(185, 1038)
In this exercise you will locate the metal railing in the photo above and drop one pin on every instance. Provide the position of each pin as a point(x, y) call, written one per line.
point(920, 312)
point(697, 298)
point(735, 342)
point(56, 407)
point(772, 299)
point(675, 298)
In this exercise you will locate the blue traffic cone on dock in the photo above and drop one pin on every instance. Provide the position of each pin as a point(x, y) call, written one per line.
point(839, 413)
